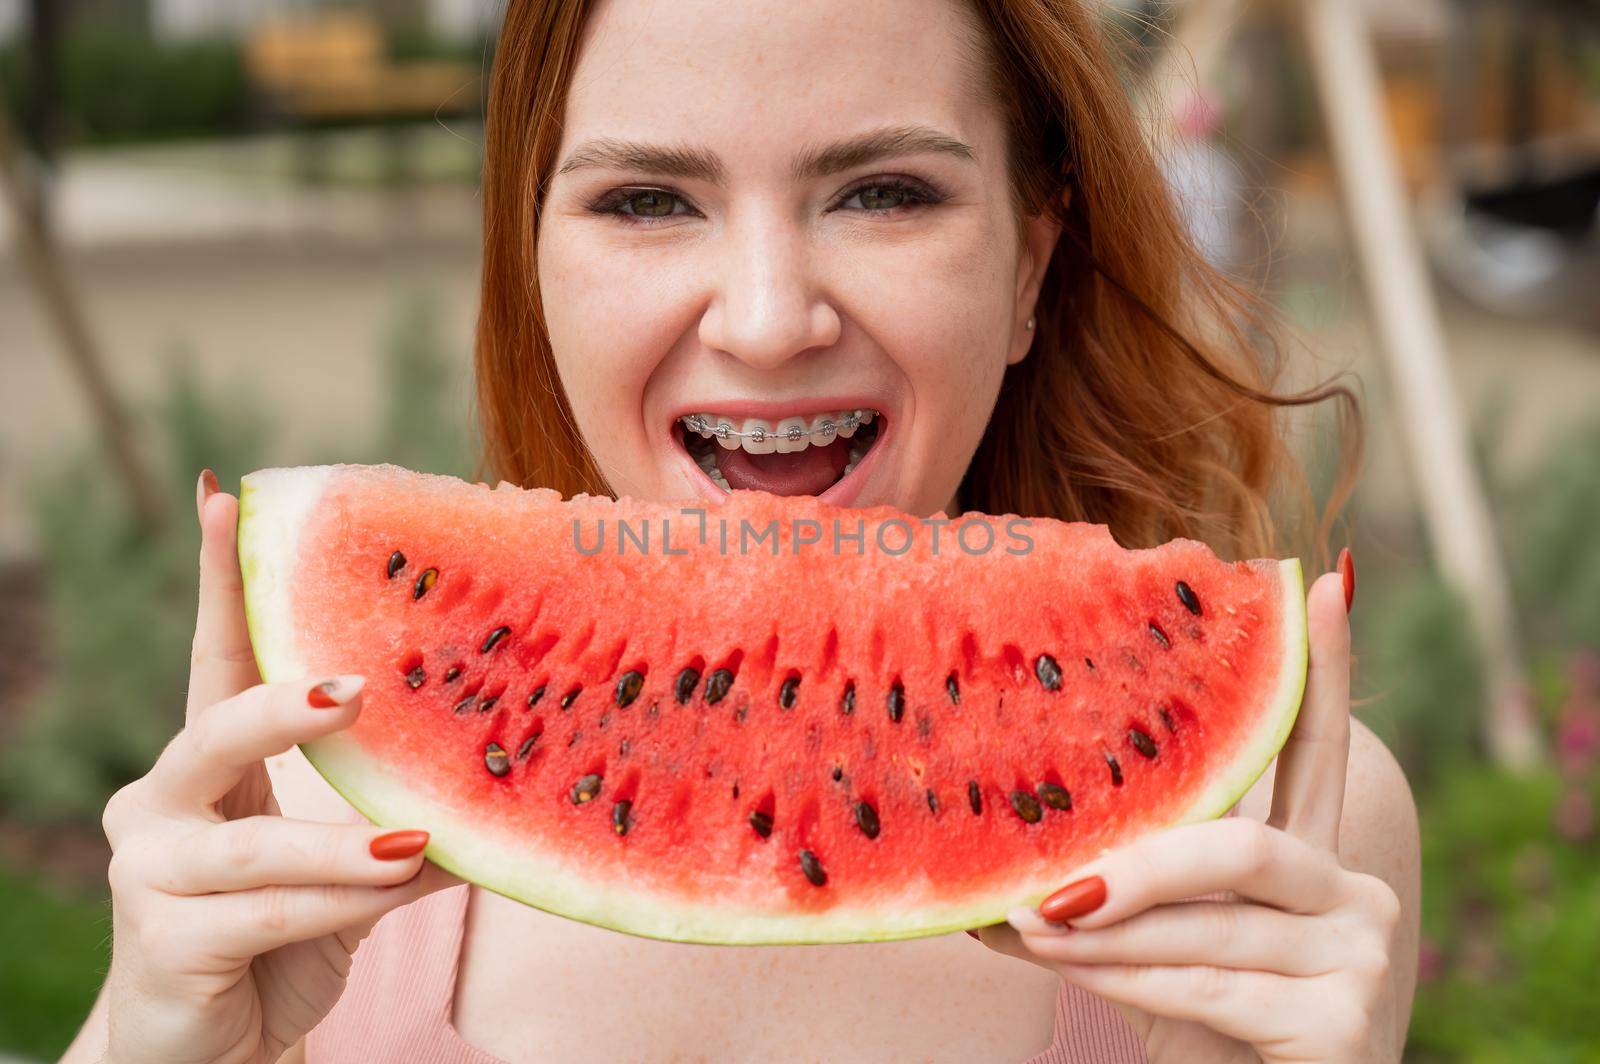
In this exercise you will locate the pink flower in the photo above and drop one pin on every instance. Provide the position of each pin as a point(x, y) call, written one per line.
point(1577, 739)
point(1430, 961)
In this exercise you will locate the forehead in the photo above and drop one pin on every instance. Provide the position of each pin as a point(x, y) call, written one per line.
point(748, 77)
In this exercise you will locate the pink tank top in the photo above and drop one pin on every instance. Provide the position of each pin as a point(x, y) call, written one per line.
point(397, 1004)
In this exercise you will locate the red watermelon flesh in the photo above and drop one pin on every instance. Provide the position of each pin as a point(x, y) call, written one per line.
point(628, 714)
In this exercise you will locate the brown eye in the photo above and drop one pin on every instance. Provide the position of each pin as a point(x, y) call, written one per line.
point(650, 203)
point(882, 197)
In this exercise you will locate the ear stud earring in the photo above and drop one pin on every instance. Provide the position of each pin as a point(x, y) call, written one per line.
point(1030, 323)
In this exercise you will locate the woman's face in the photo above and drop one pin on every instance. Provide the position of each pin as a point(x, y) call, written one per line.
point(767, 217)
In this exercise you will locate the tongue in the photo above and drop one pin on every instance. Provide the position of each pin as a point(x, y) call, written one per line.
point(808, 472)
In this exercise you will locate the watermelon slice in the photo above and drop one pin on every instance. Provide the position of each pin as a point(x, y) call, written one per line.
point(857, 726)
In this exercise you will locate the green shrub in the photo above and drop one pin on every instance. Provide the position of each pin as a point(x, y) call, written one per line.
point(119, 84)
point(121, 601)
point(1511, 913)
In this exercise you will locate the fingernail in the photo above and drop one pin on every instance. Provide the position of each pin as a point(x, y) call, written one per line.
point(204, 488)
point(335, 692)
point(1074, 900)
point(398, 845)
point(1347, 569)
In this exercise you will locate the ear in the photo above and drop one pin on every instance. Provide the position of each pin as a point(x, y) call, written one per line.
point(1039, 235)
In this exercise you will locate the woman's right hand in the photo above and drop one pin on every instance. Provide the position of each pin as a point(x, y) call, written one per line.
point(233, 926)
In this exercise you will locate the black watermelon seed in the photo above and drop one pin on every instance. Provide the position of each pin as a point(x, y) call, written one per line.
point(933, 801)
point(1116, 770)
point(813, 868)
point(574, 740)
point(496, 759)
point(1048, 671)
point(397, 561)
point(1166, 718)
point(488, 703)
point(953, 689)
point(847, 703)
point(789, 692)
point(538, 693)
point(683, 688)
point(465, 704)
point(1158, 635)
point(494, 638)
point(838, 773)
point(897, 701)
point(586, 788)
point(1186, 595)
point(1089, 662)
point(1026, 806)
point(1055, 796)
point(974, 798)
point(867, 819)
point(717, 686)
point(425, 583)
point(1142, 742)
point(623, 747)
point(628, 687)
point(527, 747)
point(415, 677)
point(452, 674)
point(570, 697)
point(620, 821)
point(761, 822)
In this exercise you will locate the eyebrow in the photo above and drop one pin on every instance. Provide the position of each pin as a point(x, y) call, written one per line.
point(691, 163)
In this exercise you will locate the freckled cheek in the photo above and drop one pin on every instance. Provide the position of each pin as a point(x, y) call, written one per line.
point(610, 327)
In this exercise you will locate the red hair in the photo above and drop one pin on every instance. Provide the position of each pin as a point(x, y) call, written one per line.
point(1146, 403)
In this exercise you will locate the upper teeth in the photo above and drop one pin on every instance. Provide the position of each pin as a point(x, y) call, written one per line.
point(760, 436)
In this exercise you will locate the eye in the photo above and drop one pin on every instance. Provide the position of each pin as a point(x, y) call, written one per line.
point(635, 205)
point(882, 197)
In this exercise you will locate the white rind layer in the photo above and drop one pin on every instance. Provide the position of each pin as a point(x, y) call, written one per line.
point(273, 507)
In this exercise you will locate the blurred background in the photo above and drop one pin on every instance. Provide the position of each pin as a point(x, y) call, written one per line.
point(246, 233)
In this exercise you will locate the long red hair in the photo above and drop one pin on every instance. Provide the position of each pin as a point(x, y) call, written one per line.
point(1146, 403)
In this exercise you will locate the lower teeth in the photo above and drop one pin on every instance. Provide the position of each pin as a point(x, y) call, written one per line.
point(704, 453)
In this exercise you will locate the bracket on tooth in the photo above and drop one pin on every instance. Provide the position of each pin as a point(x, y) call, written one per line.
point(723, 430)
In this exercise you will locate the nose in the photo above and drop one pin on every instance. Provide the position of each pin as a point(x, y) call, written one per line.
point(769, 306)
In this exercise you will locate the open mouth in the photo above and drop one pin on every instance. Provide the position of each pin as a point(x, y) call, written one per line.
point(791, 456)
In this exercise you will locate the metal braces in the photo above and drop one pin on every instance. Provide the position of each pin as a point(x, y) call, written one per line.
point(723, 430)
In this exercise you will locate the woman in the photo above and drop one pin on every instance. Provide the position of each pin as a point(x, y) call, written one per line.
point(935, 210)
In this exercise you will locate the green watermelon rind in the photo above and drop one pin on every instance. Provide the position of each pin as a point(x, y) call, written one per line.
point(272, 507)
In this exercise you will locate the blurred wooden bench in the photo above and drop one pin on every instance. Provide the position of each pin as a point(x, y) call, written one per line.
point(332, 68)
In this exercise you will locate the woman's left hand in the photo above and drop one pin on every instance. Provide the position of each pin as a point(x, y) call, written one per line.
point(1295, 966)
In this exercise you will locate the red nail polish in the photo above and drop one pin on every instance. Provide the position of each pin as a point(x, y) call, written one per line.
point(975, 935)
point(1074, 900)
point(398, 845)
point(339, 691)
point(1347, 569)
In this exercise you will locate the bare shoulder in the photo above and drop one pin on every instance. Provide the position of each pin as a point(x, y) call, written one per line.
point(1378, 833)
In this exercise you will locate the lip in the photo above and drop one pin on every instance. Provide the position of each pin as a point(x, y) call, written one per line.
point(844, 493)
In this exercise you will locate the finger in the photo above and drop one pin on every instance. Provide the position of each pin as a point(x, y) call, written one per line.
point(1220, 934)
point(1235, 854)
point(209, 757)
point(262, 851)
point(248, 923)
point(1308, 790)
point(1254, 1007)
point(222, 663)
